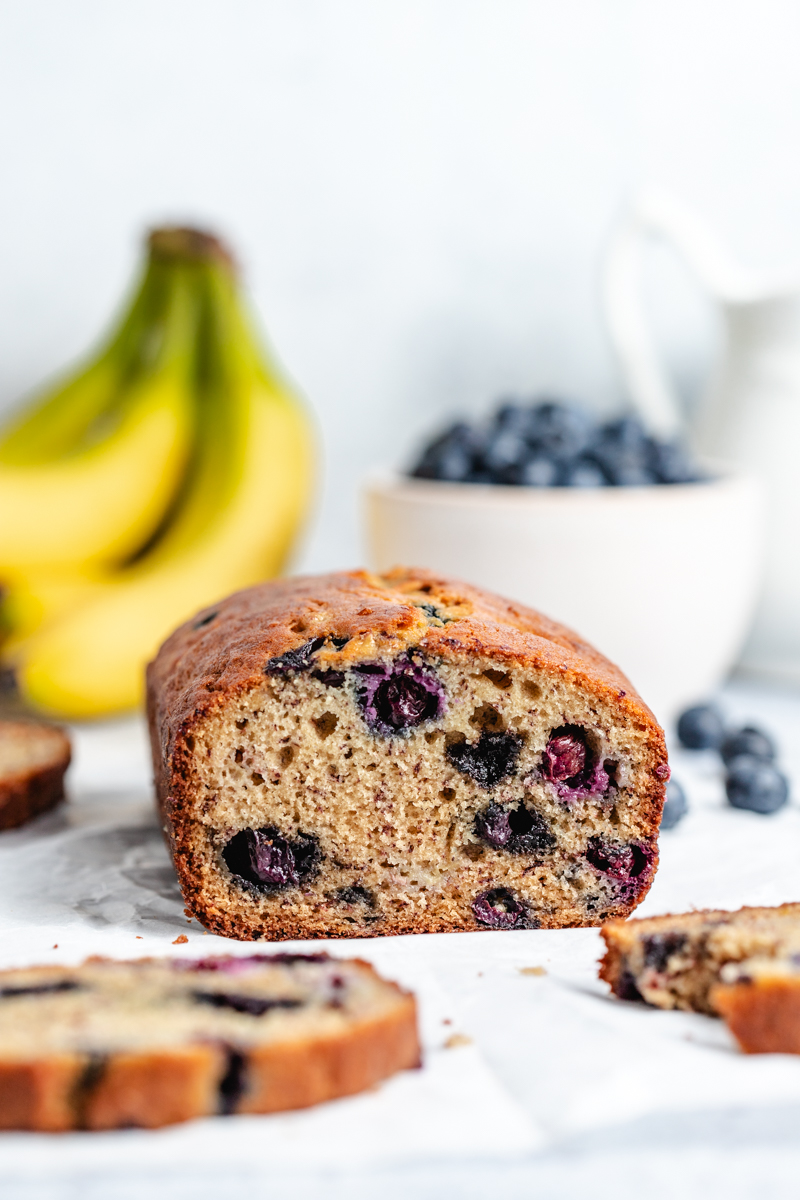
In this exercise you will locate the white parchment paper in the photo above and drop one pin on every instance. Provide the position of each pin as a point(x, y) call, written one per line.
point(551, 1055)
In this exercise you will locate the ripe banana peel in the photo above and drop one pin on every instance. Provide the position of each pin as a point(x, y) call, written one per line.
point(102, 505)
point(83, 637)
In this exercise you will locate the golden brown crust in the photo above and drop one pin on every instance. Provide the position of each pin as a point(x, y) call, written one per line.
point(26, 792)
point(40, 1095)
point(162, 1086)
point(297, 1075)
point(154, 1088)
point(763, 1015)
point(222, 652)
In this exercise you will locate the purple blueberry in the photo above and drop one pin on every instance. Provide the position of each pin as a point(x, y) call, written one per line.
point(659, 948)
point(294, 660)
point(334, 679)
point(493, 825)
point(701, 727)
point(252, 1006)
point(41, 989)
point(623, 450)
point(398, 696)
point(269, 861)
point(747, 741)
point(675, 805)
point(559, 431)
point(519, 830)
point(500, 909)
point(230, 964)
point(755, 785)
point(619, 860)
point(572, 768)
point(537, 471)
point(625, 987)
point(356, 894)
point(565, 757)
point(487, 761)
point(504, 454)
point(582, 473)
point(551, 443)
point(453, 456)
point(671, 462)
point(434, 614)
point(233, 1084)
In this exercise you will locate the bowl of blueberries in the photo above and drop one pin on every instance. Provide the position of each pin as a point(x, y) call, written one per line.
point(627, 538)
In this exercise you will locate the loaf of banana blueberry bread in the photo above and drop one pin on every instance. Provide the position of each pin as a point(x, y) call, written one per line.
point(112, 1044)
point(678, 961)
point(33, 762)
point(348, 755)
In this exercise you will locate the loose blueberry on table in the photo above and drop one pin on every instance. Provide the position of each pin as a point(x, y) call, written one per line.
point(755, 785)
point(551, 443)
point(701, 727)
point(747, 741)
point(752, 781)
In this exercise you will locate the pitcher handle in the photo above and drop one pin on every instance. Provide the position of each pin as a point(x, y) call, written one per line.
point(655, 214)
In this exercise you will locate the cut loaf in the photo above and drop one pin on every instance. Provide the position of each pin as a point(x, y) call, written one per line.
point(349, 755)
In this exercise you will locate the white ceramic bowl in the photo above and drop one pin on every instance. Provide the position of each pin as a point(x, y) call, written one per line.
point(663, 580)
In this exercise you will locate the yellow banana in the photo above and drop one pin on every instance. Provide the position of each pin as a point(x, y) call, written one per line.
point(32, 599)
point(100, 504)
point(247, 493)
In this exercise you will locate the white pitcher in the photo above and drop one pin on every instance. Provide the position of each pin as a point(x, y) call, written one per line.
point(750, 413)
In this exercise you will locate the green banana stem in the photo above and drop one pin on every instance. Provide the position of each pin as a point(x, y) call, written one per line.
point(59, 421)
point(221, 361)
point(66, 419)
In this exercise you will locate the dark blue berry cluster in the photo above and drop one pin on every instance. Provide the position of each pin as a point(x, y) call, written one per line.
point(752, 780)
point(553, 444)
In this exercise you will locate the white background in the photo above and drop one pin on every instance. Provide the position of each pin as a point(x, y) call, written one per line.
point(419, 189)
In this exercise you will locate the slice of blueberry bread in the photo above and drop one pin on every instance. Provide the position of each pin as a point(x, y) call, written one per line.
point(760, 1002)
point(33, 761)
point(351, 756)
point(676, 961)
point(112, 1044)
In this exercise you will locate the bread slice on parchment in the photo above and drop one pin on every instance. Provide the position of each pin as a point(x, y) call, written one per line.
point(111, 1044)
point(33, 761)
point(676, 961)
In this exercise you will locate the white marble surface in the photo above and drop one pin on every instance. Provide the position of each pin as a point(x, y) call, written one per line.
point(562, 1089)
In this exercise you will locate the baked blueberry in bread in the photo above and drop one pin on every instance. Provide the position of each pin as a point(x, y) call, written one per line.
point(348, 755)
point(677, 961)
point(112, 1044)
point(33, 761)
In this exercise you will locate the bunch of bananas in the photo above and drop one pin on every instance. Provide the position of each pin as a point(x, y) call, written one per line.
point(172, 470)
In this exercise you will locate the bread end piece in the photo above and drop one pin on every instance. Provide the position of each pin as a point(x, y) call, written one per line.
point(33, 761)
